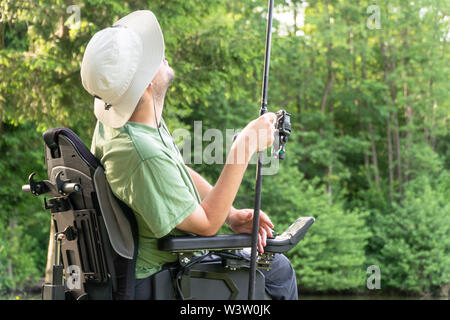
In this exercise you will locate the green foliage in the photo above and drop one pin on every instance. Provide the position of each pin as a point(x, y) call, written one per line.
point(24, 226)
point(331, 256)
point(414, 252)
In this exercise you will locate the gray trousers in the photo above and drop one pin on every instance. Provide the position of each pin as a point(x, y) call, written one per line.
point(280, 279)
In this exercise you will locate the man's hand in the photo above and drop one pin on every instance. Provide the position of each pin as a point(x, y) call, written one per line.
point(241, 221)
point(259, 134)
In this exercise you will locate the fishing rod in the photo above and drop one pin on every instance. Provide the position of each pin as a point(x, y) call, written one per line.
point(283, 129)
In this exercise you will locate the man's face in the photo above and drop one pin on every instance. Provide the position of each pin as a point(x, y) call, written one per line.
point(163, 78)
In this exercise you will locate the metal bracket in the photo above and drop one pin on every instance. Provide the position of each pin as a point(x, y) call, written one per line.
point(34, 187)
point(59, 204)
point(265, 260)
point(65, 187)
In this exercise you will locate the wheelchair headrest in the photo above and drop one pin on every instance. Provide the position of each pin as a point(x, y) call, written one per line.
point(51, 141)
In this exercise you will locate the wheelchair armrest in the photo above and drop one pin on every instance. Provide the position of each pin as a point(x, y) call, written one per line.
point(279, 244)
point(196, 243)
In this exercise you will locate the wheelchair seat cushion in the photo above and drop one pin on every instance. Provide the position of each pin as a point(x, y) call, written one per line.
point(118, 226)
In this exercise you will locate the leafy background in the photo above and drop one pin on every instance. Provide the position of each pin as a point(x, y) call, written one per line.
point(368, 157)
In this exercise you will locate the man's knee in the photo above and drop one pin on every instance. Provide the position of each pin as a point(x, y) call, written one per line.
point(281, 269)
point(281, 282)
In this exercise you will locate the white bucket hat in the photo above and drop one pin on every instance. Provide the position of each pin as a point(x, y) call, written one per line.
point(119, 63)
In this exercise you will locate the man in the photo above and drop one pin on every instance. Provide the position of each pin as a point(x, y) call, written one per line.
point(125, 69)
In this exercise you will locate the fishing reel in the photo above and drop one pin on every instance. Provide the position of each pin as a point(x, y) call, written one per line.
point(283, 131)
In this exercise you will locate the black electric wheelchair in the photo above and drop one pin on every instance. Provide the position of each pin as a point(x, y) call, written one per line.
point(96, 239)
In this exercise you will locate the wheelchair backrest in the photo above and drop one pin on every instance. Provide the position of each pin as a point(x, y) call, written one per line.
point(99, 232)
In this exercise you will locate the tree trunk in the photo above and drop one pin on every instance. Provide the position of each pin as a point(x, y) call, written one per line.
point(329, 84)
point(428, 130)
point(61, 28)
point(365, 153)
point(360, 120)
point(432, 136)
point(323, 103)
point(391, 118)
point(389, 143)
point(299, 84)
point(408, 117)
point(371, 133)
point(374, 156)
point(398, 152)
point(408, 110)
point(394, 116)
point(2, 35)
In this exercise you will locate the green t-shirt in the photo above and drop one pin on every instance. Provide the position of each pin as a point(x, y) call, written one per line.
point(152, 179)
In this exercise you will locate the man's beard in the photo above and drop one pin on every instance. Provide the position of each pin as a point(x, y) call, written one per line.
point(160, 88)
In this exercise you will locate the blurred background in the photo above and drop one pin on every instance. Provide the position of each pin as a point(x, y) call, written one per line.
point(367, 85)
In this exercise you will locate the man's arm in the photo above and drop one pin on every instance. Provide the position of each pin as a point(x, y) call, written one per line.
point(203, 187)
point(211, 213)
point(240, 221)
